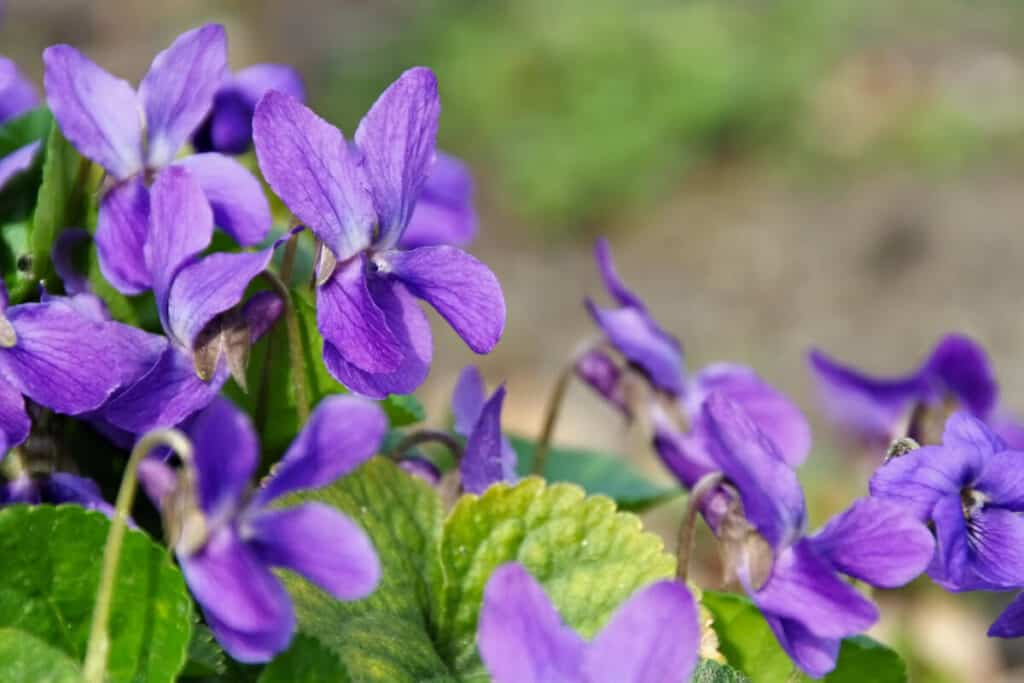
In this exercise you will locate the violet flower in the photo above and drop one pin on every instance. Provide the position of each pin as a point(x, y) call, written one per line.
point(488, 457)
point(17, 96)
point(55, 488)
point(358, 201)
point(99, 114)
point(444, 211)
point(795, 579)
point(652, 638)
point(198, 299)
point(227, 537)
point(228, 127)
point(877, 410)
point(972, 489)
point(681, 432)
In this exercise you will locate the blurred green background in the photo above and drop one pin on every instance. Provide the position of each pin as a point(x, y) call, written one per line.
point(772, 174)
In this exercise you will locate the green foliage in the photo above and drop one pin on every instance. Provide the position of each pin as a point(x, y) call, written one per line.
point(598, 473)
point(403, 410)
point(712, 672)
point(17, 197)
point(205, 658)
point(306, 661)
point(48, 581)
point(27, 659)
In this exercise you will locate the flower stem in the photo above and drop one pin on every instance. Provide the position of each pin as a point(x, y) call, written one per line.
point(708, 483)
point(99, 639)
point(263, 400)
point(291, 320)
point(428, 436)
point(551, 413)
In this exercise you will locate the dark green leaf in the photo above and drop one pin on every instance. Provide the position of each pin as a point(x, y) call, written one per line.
point(745, 639)
point(712, 672)
point(861, 657)
point(403, 410)
point(27, 659)
point(18, 196)
point(48, 581)
point(306, 661)
point(598, 473)
point(205, 658)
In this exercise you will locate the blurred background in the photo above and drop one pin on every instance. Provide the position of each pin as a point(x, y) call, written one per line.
point(772, 175)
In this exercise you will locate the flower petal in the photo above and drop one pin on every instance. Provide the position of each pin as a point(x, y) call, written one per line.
point(17, 93)
point(178, 90)
point(18, 161)
point(352, 322)
point(121, 231)
point(468, 399)
point(597, 369)
point(487, 460)
point(63, 256)
point(225, 450)
point(320, 543)
point(310, 167)
point(235, 588)
point(397, 137)
point(963, 369)
point(1010, 623)
point(341, 434)
point(950, 568)
point(444, 212)
point(918, 480)
point(972, 436)
point(815, 656)
point(612, 282)
point(97, 112)
point(634, 334)
point(14, 421)
point(408, 323)
point(1002, 480)
point(239, 206)
point(61, 487)
point(652, 638)
point(876, 541)
point(520, 635)
point(257, 80)
point(685, 455)
point(462, 289)
point(996, 547)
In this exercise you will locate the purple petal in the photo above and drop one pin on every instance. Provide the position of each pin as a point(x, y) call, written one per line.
point(412, 330)
point(462, 289)
point(972, 436)
point(772, 498)
point(260, 312)
point(815, 656)
point(310, 167)
point(1009, 428)
point(14, 421)
point(239, 206)
point(97, 112)
point(520, 635)
point(21, 489)
point(121, 237)
point(252, 614)
point(61, 487)
point(341, 434)
point(612, 282)
point(208, 287)
point(995, 542)
point(17, 93)
point(62, 255)
point(1010, 623)
point(180, 227)
point(444, 212)
point(170, 392)
point(397, 136)
point(685, 455)
point(257, 80)
point(157, 478)
point(1002, 480)
point(422, 468)
point(962, 369)
point(178, 91)
point(597, 369)
point(638, 337)
point(867, 408)
point(228, 128)
point(486, 461)
point(918, 480)
point(18, 161)
point(226, 452)
point(950, 568)
point(652, 638)
point(351, 321)
point(775, 415)
point(877, 542)
point(804, 587)
point(468, 399)
point(320, 543)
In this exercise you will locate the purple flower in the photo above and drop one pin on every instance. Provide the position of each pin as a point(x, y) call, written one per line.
point(99, 114)
point(489, 456)
point(228, 538)
point(876, 410)
point(228, 127)
point(54, 489)
point(681, 432)
point(358, 200)
point(795, 579)
point(444, 212)
point(972, 489)
point(198, 299)
point(18, 161)
point(652, 638)
point(17, 93)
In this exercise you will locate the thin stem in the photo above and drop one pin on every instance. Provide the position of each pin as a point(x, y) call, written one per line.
point(291, 320)
point(99, 639)
point(708, 483)
point(263, 402)
point(428, 436)
point(551, 413)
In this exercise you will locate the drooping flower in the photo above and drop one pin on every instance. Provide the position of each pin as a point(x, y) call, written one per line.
point(488, 457)
point(972, 489)
point(358, 200)
point(99, 114)
point(652, 638)
point(228, 127)
point(681, 432)
point(796, 579)
point(227, 540)
point(207, 334)
point(874, 411)
point(17, 96)
point(444, 211)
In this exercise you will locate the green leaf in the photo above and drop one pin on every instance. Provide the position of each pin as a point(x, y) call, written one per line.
point(48, 581)
point(205, 658)
point(588, 556)
point(306, 661)
point(861, 656)
point(598, 473)
point(403, 409)
point(20, 131)
point(18, 196)
point(385, 637)
point(27, 659)
point(712, 672)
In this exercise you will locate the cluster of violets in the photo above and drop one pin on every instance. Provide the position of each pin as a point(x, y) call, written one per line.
point(390, 216)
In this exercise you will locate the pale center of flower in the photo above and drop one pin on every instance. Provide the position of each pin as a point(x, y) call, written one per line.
point(972, 501)
point(8, 337)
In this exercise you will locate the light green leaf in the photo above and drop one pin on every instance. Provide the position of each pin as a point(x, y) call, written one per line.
point(306, 661)
point(588, 556)
point(27, 659)
point(598, 473)
point(48, 581)
point(712, 672)
point(403, 409)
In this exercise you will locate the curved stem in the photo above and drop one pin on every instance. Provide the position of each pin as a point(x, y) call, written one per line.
point(551, 413)
point(708, 483)
point(99, 639)
point(291, 320)
point(428, 436)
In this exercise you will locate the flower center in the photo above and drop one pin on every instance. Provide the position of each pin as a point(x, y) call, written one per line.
point(972, 501)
